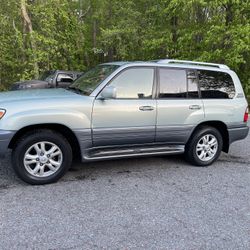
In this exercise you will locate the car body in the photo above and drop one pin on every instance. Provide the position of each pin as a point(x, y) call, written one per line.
point(131, 109)
point(49, 79)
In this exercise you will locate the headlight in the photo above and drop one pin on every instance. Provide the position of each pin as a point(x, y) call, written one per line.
point(2, 112)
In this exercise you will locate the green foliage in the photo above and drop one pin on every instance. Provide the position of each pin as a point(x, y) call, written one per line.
point(78, 34)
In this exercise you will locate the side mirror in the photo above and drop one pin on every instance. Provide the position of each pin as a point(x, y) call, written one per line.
point(108, 92)
point(64, 78)
point(50, 82)
point(67, 80)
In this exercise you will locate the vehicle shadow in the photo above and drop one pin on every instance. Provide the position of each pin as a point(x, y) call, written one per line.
point(130, 166)
point(108, 168)
point(99, 169)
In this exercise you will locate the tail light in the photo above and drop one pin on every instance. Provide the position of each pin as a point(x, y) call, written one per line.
point(246, 115)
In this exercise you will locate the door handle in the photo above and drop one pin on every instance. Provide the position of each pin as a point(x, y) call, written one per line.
point(146, 108)
point(194, 107)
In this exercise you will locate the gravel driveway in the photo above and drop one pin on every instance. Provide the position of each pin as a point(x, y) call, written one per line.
point(146, 203)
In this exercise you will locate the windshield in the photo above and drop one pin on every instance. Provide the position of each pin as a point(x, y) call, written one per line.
point(46, 75)
point(92, 78)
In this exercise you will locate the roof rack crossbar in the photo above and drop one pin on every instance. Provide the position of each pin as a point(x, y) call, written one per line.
point(221, 66)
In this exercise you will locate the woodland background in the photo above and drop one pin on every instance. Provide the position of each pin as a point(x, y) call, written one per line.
point(38, 35)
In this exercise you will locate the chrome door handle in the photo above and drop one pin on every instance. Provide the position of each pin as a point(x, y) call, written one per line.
point(146, 108)
point(194, 107)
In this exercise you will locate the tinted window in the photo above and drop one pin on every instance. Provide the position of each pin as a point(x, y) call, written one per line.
point(215, 84)
point(192, 84)
point(47, 75)
point(173, 83)
point(134, 83)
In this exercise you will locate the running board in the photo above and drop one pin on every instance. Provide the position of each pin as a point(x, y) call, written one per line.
point(102, 153)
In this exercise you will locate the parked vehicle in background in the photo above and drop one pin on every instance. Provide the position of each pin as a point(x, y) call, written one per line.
point(124, 109)
point(49, 79)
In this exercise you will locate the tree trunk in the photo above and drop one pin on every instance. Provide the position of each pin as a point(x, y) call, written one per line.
point(174, 27)
point(94, 33)
point(28, 29)
point(229, 13)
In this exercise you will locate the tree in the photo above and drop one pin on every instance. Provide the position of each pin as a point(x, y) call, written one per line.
point(39, 35)
point(28, 30)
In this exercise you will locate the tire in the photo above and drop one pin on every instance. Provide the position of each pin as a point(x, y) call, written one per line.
point(199, 150)
point(41, 157)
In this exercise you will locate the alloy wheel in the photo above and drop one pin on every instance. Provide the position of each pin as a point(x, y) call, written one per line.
point(207, 147)
point(43, 159)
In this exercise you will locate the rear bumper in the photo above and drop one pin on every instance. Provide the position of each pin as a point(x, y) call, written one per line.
point(5, 137)
point(236, 134)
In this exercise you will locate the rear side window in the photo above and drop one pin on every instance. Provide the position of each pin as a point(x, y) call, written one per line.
point(173, 83)
point(215, 85)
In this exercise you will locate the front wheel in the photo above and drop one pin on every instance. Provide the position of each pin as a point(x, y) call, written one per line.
point(41, 157)
point(204, 147)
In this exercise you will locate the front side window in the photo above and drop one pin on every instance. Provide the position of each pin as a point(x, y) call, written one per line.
point(173, 83)
point(47, 75)
point(134, 83)
point(216, 84)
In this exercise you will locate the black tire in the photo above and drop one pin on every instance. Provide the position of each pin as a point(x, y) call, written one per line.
point(190, 149)
point(31, 138)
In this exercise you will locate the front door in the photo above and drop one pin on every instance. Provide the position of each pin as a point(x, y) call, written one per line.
point(130, 118)
point(180, 109)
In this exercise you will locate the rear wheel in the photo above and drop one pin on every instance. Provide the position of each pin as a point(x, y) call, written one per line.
point(41, 157)
point(204, 147)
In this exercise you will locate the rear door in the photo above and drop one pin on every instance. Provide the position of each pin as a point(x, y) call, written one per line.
point(178, 104)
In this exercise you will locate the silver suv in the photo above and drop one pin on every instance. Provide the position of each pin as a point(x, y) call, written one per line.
point(124, 109)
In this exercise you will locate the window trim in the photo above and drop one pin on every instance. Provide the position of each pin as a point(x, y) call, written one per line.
point(128, 68)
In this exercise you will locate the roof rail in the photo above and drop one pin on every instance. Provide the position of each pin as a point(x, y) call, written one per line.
point(221, 66)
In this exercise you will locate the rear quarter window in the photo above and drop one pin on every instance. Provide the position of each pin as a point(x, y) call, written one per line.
point(216, 85)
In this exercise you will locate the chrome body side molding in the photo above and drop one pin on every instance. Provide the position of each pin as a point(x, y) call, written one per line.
point(116, 152)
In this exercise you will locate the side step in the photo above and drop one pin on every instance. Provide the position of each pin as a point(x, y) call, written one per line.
point(101, 153)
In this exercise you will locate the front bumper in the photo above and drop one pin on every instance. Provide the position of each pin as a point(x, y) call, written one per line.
point(5, 138)
point(236, 134)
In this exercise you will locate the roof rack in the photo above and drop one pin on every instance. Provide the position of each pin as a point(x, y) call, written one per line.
point(221, 66)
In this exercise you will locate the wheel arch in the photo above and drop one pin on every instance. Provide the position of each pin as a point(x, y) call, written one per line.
point(62, 129)
point(222, 128)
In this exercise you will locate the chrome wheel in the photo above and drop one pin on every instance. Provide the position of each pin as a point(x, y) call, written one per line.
point(43, 159)
point(207, 147)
